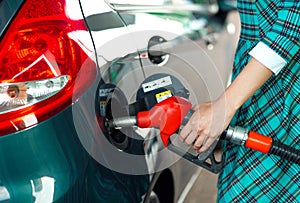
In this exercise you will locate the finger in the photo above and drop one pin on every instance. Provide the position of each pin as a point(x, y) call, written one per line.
point(184, 132)
point(191, 138)
point(199, 141)
point(206, 144)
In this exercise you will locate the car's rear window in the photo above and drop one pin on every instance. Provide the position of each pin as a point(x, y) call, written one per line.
point(8, 8)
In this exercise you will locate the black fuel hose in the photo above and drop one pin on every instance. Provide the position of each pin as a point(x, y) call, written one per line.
point(262, 143)
point(285, 152)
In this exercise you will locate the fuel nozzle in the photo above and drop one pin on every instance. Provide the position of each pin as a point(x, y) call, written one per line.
point(166, 116)
point(121, 122)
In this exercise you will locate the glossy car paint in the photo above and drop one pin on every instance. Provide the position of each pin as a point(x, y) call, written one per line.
point(8, 10)
point(44, 162)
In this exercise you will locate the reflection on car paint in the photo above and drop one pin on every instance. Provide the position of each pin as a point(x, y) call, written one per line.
point(43, 189)
point(4, 194)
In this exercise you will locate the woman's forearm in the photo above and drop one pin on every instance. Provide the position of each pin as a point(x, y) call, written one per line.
point(253, 76)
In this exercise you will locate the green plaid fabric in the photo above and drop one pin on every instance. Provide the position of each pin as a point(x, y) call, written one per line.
point(274, 110)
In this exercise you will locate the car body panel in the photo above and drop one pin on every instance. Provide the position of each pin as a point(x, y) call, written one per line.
point(7, 11)
point(47, 158)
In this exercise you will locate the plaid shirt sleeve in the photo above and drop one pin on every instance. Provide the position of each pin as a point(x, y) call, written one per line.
point(268, 57)
point(284, 35)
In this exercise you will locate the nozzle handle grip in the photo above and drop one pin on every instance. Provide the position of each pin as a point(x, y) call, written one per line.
point(210, 163)
point(205, 159)
point(204, 155)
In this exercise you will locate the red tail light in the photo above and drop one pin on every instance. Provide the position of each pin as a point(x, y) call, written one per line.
point(39, 63)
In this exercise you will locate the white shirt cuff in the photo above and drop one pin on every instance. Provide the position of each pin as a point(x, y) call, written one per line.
point(268, 57)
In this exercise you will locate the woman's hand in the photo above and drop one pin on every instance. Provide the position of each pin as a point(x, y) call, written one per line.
point(206, 124)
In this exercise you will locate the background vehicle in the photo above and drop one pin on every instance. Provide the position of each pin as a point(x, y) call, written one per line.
point(62, 63)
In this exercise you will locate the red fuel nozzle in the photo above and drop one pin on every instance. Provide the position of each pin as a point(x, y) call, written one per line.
point(166, 115)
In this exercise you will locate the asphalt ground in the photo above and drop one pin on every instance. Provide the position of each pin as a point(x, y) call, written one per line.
point(204, 189)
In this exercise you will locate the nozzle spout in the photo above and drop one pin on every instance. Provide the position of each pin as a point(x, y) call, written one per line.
point(121, 122)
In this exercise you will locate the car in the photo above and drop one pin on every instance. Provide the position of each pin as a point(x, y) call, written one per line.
point(67, 66)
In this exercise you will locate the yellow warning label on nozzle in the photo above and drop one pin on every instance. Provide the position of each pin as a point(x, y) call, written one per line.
point(163, 95)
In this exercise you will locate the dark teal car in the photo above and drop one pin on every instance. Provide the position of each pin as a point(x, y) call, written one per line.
point(67, 65)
